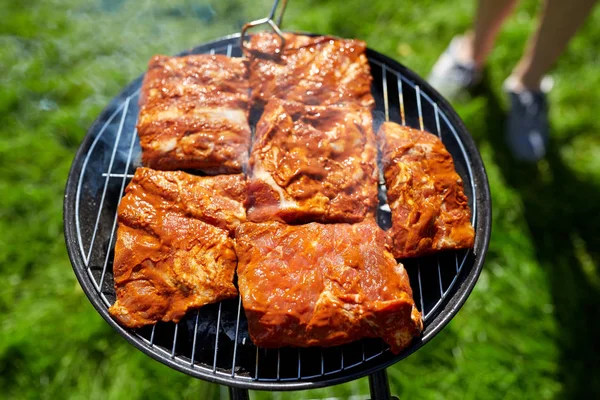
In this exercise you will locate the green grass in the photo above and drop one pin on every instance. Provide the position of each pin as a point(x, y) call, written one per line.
point(529, 330)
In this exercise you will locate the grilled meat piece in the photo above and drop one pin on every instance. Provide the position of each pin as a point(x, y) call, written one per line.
point(194, 114)
point(323, 285)
point(311, 163)
point(312, 70)
point(430, 211)
point(174, 249)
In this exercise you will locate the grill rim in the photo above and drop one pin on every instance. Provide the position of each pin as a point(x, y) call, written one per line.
point(445, 312)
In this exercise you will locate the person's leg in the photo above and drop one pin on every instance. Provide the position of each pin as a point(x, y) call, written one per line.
point(527, 128)
point(459, 67)
point(559, 21)
point(488, 21)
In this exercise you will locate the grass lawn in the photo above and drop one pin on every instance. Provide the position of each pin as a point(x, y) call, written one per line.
point(529, 330)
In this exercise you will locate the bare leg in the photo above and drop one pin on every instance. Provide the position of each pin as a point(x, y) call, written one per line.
point(459, 68)
point(478, 43)
point(559, 21)
point(488, 21)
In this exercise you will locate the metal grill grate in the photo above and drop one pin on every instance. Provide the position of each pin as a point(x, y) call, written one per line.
point(212, 342)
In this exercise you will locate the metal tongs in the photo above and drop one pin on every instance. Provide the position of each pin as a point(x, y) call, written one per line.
point(269, 20)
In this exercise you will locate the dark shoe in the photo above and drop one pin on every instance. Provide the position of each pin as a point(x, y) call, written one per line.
point(527, 130)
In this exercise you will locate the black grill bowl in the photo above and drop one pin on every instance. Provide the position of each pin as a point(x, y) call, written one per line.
point(213, 343)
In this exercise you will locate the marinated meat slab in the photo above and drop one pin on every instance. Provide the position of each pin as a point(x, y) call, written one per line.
point(323, 285)
point(312, 70)
point(174, 249)
point(430, 211)
point(194, 114)
point(312, 163)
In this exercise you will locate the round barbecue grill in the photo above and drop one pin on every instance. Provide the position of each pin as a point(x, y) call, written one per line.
point(212, 343)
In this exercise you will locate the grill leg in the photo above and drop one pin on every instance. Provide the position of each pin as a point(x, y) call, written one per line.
point(238, 394)
point(380, 386)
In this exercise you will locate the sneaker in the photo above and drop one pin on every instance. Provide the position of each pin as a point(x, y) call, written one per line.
point(451, 77)
point(527, 131)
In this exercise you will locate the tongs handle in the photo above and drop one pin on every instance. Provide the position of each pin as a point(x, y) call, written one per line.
point(269, 20)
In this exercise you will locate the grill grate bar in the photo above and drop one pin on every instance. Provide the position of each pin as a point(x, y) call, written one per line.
point(374, 356)
point(152, 335)
point(421, 289)
point(439, 134)
point(385, 91)
point(192, 362)
point(418, 95)
point(235, 344)
point(112, 159)
point(440, 277)
point(457, 267)
point(115, 218)
point(104, 299)
point(418, 90)
point(362, 348)
point(299, 364)
point(93, 279)
point(217, 338)
point(174, 340)
point(445, 293)
point(278, 364)
point(436, 112)
point(401, 98)
point(112, 175)
point(256, 365)
point(79, 184)
point(462, 263)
